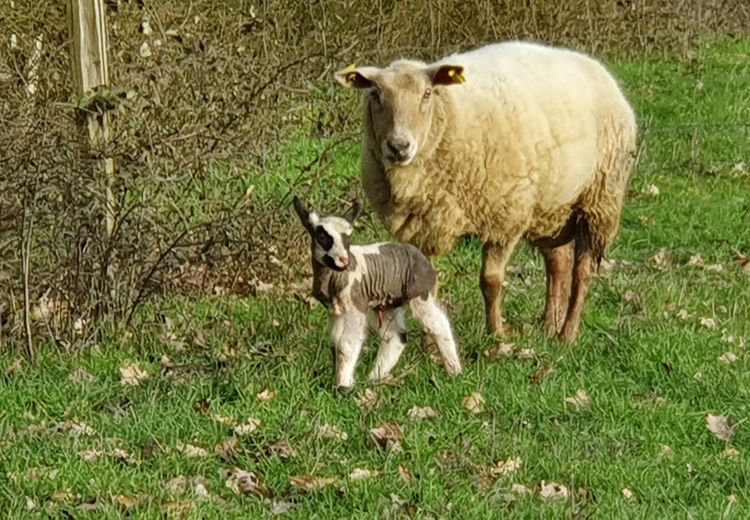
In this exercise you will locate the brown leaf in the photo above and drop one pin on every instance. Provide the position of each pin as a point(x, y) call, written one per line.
point(248, 427)
point(202, 406)
point(128, 502)
point(266, 395)
point(728, 358)
point(282, 449)
point(731, 453)
point(227, 449)
point(191, 451)
point(580, 400)
point(661, 259)
point(178, 507)
point(282, 507)
point(627, 494)
point(420, 413)
point(542, 374)
point(553, 491)
point(524, 354)
point(368, 399)
point(226, 420)
point(388, 435)
point(310, 483)
point(473, 402)
point(742, 261)
point(81, 376)
point(90, 455)
point(132, 375)
point(520, 490)
point(404, 473)
point(501, 350)
point(123, 456)
point(709, 323)
point(15, 367)
point(721, 426)
point(361, 474)
point(506, 467)
point(247, 482)
point(328, 431)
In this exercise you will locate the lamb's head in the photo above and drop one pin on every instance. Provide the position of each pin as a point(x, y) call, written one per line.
point(401, 103)
point(330, 236)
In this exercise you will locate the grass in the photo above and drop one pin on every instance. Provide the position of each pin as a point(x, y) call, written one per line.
point(652, 372)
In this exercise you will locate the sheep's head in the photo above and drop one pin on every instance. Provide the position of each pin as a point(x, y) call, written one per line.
point(401, 102)
point(331, 236)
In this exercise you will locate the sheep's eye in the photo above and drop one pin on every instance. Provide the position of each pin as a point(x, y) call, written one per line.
point(323, 238)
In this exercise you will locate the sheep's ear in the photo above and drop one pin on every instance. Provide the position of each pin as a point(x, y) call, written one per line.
point(354, 212)
point(304, 214)
point(446, 75)
point(353, 77)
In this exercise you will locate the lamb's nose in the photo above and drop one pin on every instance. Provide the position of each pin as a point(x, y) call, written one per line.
point(398, 147)
point(344, 261)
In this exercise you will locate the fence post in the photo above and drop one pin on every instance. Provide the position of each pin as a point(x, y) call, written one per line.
point(91, 70)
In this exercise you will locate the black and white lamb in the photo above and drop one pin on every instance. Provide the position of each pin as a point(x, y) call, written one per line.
point(376, 280)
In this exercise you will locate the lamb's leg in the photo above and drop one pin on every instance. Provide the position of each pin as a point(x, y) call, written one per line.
point(436, 324)
point(494, 259)
point(348, 332)
point(559, 265)
point(582, 276)
point(392, 333)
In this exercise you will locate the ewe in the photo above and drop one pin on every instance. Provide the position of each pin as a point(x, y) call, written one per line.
point(352, 280)
point(507, 142)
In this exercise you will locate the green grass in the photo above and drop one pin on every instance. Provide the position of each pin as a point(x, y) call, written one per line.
point(651, 375)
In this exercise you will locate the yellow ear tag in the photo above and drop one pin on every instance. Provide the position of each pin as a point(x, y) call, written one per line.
point(351, 67)
point(458, 78)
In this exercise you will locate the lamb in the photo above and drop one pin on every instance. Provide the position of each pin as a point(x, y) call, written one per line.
point(353, 281)
point(507, 142)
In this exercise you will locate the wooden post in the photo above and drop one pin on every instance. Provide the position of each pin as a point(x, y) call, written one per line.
point(90, 70)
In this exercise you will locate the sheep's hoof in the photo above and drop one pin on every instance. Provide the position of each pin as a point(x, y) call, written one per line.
point(568, 334)
point(343, 391)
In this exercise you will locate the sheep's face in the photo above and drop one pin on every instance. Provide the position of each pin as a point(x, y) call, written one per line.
point(401, 103)
point(331, 236)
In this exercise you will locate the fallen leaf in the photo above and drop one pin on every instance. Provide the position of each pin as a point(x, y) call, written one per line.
point(191, 451)
point(653, 190)
point(61, 497)
point(627, 494)
point(76, 428)
point(715, 268)
point(177, 485)
point(542, 374)
point(227, 449)
point(202, 406)
point(473, 402)
point(420, 413)
point(696, 259)
point(123, 456)
point(404, 473)
point(683, 315)
point(553, 491)
point(743, 262)
point(580, 400)
point(145, 50)
point(15, 367)
point(282, 449)
point(166, 362)
point(520, 490)
point(661, 259)
point(226, 420)
point(266, 395)
point(501, 350)
point(665, 451)
point(728, 357)
point(328, 431)
point(709, 323)
point(388, 435)
point(132, 375)
point(282, 506)
point(201, 491)
point(310, 483)
point(524, 354)
point(179, 508)
point(248, 427)
point(247, 482)
point(30, 504)
point(361, 474)
point(506, 467)
point(90, 455)
point(127, 502)
point(81, 376)
point(731, 453)
point(721, 426)
point(368, 399)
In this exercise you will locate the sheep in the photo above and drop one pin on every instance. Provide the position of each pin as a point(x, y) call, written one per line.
point(353, 281)
point(507, 142)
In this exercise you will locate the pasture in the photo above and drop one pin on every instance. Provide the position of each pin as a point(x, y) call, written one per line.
point(168, 417)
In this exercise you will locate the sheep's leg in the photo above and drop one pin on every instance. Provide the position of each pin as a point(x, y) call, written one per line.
point(348, 332)
point(392, 333)
point(436, 324)
point(582, 276)
point(559, 265)
point(494, 259)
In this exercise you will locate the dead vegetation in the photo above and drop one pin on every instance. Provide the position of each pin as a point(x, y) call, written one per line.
point(203, 93)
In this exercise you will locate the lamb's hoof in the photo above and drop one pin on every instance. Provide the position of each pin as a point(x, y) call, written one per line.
point(453, 370)
point(568, 335)
point(343, 391)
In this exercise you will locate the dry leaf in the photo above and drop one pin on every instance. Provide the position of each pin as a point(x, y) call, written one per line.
point(368, 399)
point(15, 367)
point(473, 402)
point(728, 357)
point(553, 491)
point(227, 449)
point(127, 502)
point(731, 453)
point(742, 261)
point(709, 323)
point(132, 375)
point(683, 315)
point(627, 494)
point(419, 413)
point(310, 483)
point(178, 508)
point(696, 259)
point(123, 456)
point(166, 362)
point(506, 467)
point(191, 451)
point(501, 350)
point(388, 435)
point(665, 451)
point(580, 400)
point(177, 485)
point(520, 490)
point(266, 395)
point(60, 497)
point(90, 455)
point(404, 473)
point(282, 449)
point(282, 507)
point(661, 259)
point(361, 474)
point(247, 482)
point(145, 50)
point(30, 504)
point(527, 353)
point(81, 376)
point(715, 268)
point(248, 427)
point(542, 374)
point(201, 491)
point(328, 431)
point(721, 426)
point(76, 428)
point(653, 190)
point(226, 420)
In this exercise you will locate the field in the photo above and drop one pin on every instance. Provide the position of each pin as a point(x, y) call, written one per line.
point(222, 385)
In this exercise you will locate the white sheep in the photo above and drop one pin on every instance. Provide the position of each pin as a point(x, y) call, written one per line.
point(356, 281)
point(507, 142)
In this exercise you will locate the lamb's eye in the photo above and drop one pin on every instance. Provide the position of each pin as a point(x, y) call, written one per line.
point(323, 238)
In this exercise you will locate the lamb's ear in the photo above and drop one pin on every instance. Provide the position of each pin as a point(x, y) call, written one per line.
point(446, 75)
point(304, 214)
point(354, 212)
point(354, 77)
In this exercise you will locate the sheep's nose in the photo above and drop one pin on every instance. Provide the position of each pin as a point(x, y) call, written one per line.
point(398, 147)
point(344, 261)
